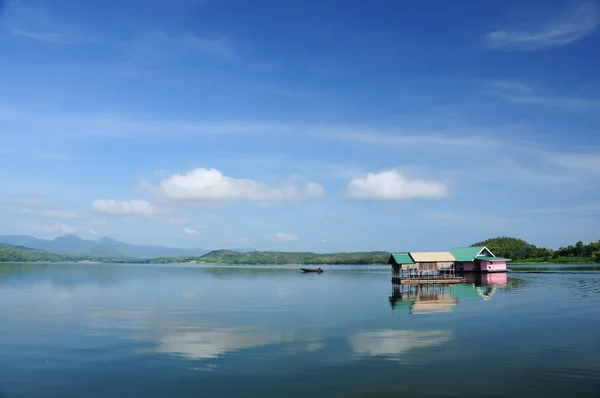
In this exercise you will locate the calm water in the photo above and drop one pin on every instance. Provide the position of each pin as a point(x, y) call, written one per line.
point(175, 331)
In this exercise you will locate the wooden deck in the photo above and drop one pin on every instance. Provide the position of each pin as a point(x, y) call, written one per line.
point(406, 281)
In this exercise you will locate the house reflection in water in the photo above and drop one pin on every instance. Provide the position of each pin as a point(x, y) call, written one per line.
point(440, 298)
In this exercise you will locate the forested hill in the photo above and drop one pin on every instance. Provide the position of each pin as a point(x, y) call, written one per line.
point(518, 250)
point(232, 257)
point(16, 254)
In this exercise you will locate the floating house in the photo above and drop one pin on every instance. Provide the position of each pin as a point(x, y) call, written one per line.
point(441, 267)
point(423, 267)
point(477, 258)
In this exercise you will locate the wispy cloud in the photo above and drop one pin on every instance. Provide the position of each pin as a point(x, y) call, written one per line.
point(334, 217)
point(55, 228)
point(400, 138)
point(113, 207)
point(215, 45)
point(582, 161)
point(470, 220)
point(521, 93)
point(58, 214)
point(117, 126)
point(36, 22)
point(30, 150)
point(158, 47)
point(19, 200)
point(593, 208)
point(49, 37)
point(569, 27)
point(282, 237)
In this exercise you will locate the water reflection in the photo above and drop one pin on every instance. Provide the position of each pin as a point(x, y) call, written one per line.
point(442, 298)
point(106, 331)
point(393, 343)
point(210, 343)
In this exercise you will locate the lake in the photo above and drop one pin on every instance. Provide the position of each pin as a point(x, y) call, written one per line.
point(98, 330)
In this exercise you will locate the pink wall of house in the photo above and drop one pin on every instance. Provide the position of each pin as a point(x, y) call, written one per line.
point(486, 266)
point(492, 266)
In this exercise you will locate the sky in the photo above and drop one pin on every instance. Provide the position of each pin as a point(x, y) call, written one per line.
point(301, 125)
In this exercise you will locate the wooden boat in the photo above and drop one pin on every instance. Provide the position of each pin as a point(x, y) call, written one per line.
point(319, 270)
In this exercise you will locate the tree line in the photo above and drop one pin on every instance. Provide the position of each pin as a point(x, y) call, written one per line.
point(518, 249)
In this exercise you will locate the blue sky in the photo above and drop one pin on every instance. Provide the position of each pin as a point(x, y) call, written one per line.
point(301, 125)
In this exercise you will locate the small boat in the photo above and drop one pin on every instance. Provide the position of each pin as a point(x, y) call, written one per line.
point(319, 270)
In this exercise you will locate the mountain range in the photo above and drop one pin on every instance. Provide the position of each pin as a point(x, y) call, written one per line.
point(104, 247)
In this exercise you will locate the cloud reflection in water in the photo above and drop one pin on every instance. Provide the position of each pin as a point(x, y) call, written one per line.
point(393, 343)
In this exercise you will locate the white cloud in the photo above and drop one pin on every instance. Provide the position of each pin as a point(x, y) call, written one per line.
point(322, 241)
point(123, 207)
point(58, 214)
point(191, 231)
point(282, 237)
point(393, 185)
point(99, 222)
point(313, 190)
point(92, 232)
point(210, 185)
point(56, 228)
point(571, 26)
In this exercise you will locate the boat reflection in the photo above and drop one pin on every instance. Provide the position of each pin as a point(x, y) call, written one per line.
point(442, 298)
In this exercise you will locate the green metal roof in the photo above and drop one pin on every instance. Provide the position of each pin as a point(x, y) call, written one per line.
point(489, 258)
point(401, 258)
point(466, 254)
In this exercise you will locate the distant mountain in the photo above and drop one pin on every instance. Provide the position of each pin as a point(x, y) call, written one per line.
point(104, 247)
point(103, 251)
point(7, 246)
point(25, 241)
point(149, 251)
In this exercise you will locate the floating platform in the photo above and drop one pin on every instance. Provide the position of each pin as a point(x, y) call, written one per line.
point(407, 281)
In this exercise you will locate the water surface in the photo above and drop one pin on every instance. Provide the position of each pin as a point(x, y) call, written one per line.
point(77, 330)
